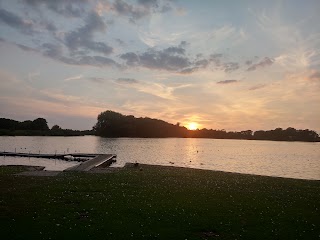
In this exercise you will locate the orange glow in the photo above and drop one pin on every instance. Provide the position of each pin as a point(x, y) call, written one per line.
point(193, 126)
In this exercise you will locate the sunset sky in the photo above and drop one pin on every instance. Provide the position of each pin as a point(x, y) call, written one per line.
point(233, 65)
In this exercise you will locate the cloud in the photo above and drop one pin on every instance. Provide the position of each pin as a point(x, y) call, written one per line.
point(52, 50)
point(127, 81)
point(256, 87)
point(82, 38)
point(67, 8)
point(227, 81)
point(230, 66)
point(189, 70)
point(155, 89)
point(141, 9)
point(125, 9)
point(120, 42)
point(56, 52)
point(14, 21)
point(96, 61)
point(96, 79)
point(175, 50)
point(175, 59)
point(169, 59)
point(263, 63)
point(315, 76)
point(73, 78)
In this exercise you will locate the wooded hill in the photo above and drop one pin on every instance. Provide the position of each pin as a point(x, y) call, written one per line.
point(37, 127)
point(113, 124)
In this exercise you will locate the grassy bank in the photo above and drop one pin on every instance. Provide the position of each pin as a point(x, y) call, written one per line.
point(157, 203)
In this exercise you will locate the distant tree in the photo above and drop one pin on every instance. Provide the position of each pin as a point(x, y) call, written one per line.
point(39, 124)
point(56, 128)
point(25, 125)
point(8, 124)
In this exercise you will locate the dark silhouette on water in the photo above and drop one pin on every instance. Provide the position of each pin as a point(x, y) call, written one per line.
point(113, 124)
point(37, 127)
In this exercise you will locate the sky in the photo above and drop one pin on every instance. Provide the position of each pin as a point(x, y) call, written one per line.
point(232, 65)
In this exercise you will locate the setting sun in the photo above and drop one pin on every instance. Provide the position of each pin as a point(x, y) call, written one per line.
point(192, 126)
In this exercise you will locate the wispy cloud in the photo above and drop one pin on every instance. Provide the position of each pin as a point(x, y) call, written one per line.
point(263, 63)
point(228, 81)
point(73, 78)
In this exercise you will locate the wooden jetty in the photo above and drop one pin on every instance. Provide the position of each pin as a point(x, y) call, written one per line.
point(95, 161)
point(102, 159)
point(75, 156)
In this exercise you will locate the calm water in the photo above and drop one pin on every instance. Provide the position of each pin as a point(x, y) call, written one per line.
point(284, 159)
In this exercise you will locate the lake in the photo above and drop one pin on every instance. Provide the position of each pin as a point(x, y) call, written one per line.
point(270, 158)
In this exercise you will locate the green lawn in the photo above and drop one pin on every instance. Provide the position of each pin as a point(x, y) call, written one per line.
point(157, 203)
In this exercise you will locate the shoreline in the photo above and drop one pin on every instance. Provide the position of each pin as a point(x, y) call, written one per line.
point(85, 135)
point(128, 165)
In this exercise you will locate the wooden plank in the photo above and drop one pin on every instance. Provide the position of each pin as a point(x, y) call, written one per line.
point(86, 166)
point(44, 155)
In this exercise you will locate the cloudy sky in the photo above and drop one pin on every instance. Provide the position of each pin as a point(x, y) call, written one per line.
point(231, 65)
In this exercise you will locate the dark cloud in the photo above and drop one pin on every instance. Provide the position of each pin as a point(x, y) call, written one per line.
point(215, 58)
point(175, 50)
point(263, 63)
point(96, 79)
point(67, 8)
point(175, 59)
point(127, 81)
point(227, 81)
point(315, 76)
point(26, 48)
point(257, 87)
point(56, 52)
point(52, 50)
point(249, 62)
point(202, 63)
point(97, 61)
point(120, 42)
point(230, 66)
point(149, 3)
point(166, 59)
point(163, 60)
point(141, 9)
point(131, 58)
point(183, 44)
point(21, 46)
point(189, 70)
point(82, 38)
point(16, 22)
point(126, 9)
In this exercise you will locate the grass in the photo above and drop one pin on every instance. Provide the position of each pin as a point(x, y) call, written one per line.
point(157, 203)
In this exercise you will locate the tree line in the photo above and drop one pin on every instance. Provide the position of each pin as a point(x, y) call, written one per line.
point(113, 124)
point(37, 127)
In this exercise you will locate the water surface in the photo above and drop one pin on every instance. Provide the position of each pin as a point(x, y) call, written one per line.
point(270, 158)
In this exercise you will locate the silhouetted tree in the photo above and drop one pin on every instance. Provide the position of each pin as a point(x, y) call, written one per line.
point(113, 124)
point(39, 124)
point(56, 128)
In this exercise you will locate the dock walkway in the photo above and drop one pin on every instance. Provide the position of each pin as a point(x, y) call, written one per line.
point(105, 159)
point(55, 156)
point(86, 165)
